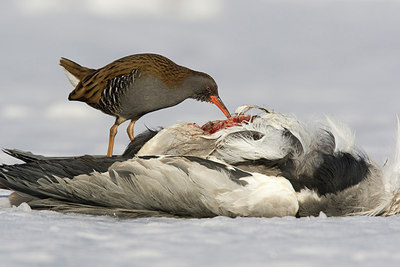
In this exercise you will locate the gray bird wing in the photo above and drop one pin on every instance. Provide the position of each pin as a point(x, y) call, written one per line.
point(138, 187)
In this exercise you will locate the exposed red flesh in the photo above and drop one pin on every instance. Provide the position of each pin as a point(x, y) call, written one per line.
point(214, 126)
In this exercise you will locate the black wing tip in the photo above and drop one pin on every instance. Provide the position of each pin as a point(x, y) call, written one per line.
point(22, 155)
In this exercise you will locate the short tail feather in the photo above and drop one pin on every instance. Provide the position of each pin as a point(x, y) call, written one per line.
point(74, 71)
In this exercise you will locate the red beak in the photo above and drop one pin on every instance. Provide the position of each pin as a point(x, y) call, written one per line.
point(218, 102)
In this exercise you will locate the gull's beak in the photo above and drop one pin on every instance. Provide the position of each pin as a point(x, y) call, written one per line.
point(218, 102)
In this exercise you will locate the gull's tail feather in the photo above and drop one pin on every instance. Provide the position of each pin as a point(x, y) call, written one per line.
point(390, 204)
point(392, 179)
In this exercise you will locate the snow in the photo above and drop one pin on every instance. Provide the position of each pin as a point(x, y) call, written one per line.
point(44, 238)
point(312, 58)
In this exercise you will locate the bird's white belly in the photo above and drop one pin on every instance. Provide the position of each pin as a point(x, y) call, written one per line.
point(264, 196)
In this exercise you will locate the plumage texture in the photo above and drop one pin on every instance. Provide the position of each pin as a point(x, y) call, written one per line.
point(273, 165)
point(172, 185)
point(94, 82)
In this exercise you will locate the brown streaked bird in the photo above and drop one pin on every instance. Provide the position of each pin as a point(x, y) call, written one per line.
point(133, 86)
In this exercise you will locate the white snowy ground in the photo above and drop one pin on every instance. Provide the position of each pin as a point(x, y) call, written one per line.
point(312, 58)
point(44, 238)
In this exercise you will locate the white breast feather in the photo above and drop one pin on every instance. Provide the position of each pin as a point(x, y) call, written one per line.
point(264, 196)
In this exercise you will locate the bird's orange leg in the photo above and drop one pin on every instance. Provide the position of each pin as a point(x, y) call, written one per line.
point(113, 133)
point(130, 129)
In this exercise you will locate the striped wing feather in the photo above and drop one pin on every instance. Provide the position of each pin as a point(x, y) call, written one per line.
point(91, 87)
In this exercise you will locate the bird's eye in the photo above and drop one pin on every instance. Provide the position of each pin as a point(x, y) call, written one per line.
point(208, 88)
